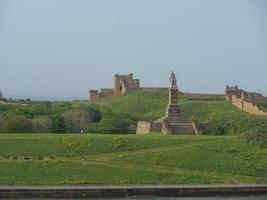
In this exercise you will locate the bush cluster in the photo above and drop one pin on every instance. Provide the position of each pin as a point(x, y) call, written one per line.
point(46, 117)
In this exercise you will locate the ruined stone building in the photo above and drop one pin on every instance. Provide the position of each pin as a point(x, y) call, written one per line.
point(121, 85)
point(173, 122)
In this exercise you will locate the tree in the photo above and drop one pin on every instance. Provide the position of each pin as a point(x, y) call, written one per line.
point(77, 120)
point(43, 108)
point(58, 124)
point(18, 124)
point(42, 124)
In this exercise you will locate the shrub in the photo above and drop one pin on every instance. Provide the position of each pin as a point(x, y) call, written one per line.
point(22, 111)
point(255, 136)
point(43, 108)
point(60, 107)
point(58, 124)
point(18, 124)
point(77, 120)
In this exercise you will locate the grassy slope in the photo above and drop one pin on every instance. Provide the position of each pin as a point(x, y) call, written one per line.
point(141, 105)
point(222, 116)
point(120, 159)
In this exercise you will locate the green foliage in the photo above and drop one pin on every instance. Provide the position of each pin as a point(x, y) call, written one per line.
point(120, 114)
point(223, 155)
point(111, 123)
point(71, 173)
point(19, 111)
point(83, 144)
point(139, 105)
point(42, 124)
point(263, 107)
point(18, 124)
point(2, 122)
point(60, 107)
point(257, 136)
point(223, 117)
point(55, 159)
point(43, 108)
point(77, 120)
point(58, 124)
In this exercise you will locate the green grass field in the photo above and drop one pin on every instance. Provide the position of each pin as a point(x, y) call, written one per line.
point(52, 159)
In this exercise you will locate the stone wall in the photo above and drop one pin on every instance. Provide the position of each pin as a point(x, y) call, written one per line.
point(201, 128)
point(239, 93)
point(93, 96)
point(155, 127)
point(148, 127)
point(143, 127)
point(246, 106)
point(232, 91)
point(182, 95)
point(104, 94)
point(199, 96)
point(162, 90)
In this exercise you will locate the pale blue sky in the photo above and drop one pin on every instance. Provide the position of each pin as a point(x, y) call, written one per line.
point(59, 49)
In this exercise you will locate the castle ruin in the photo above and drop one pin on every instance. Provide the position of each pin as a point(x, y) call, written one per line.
point(235, 91)
point(246, 101)
point(173, 122)
point(121, 85)
point(126, 83)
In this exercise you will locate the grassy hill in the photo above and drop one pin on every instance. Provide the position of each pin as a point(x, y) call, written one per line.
point(223, 117)
point(120, 115)
point(51, 159)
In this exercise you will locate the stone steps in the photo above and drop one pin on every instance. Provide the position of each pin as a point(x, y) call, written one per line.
point(177, 119)
point(181, 128)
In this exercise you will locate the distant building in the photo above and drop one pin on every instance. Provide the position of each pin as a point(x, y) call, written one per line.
point(121, 85)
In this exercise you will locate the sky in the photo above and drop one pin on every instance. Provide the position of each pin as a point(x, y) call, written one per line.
point(60, 49)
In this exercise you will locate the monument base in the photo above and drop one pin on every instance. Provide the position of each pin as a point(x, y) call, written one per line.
point(173, 122)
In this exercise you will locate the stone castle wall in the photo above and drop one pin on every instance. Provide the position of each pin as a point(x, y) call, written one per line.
point(200, 96)
point(162, 90)
point(148, 127)
point(253, 97)
point(96, 96)
point(182, 95)
point(104, 94)
point(246, 106)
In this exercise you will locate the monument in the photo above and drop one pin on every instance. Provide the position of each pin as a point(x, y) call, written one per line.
point(173, 122)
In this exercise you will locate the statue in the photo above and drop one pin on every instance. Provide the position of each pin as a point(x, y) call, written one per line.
point(173, 80)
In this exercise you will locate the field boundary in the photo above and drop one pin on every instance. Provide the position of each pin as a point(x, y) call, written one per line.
point(134, 190)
